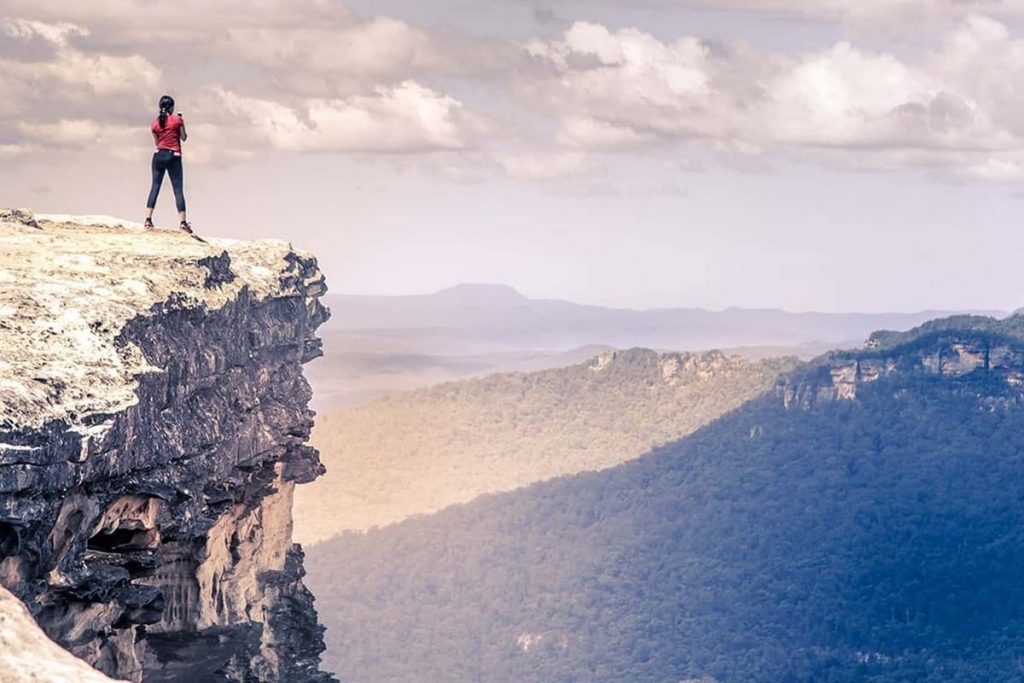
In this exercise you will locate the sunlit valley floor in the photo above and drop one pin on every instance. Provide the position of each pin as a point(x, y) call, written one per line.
point(667, 516)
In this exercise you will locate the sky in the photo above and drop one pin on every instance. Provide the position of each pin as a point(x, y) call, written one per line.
point(829, 156)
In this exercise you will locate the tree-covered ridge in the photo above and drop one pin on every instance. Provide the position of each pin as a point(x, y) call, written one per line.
point(874, 539)
point(967, 326)
point(960, 345)
point(417, 452)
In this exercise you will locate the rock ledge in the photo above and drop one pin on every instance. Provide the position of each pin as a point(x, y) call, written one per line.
point(153, 425)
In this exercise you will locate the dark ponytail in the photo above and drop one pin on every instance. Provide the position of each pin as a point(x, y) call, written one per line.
point(166, 105)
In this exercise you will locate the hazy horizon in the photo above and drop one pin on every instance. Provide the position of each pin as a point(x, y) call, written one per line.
point(519, 291)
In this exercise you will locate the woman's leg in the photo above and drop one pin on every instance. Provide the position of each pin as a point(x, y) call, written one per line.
point(174, 169)
point(158, 168)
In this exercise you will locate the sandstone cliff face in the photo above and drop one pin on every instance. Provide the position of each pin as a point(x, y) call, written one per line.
point(993, 348)
point(153, 426)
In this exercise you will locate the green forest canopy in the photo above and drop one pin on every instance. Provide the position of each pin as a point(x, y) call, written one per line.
point(418, 452)
point(878, 539)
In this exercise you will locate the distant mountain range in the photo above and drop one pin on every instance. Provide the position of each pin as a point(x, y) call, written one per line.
point(485, 318)
point(377, 345)
point(417, 452)
point(859, 521)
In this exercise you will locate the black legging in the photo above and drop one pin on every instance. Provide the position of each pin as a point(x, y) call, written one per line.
point(166, 160)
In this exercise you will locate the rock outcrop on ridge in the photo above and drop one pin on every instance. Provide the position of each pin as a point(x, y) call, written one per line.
point(957, 347)
point(153, 426)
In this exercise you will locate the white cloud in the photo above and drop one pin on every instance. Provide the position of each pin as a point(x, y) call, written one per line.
point(315, 47)
point(995, 170)
point(888, 15)
point(352, 56)
point(984, 61)
point(333, 59)
point(105, 74)
point(635, 64)
point(197, 14)
point(70, 74)
point(614, 90)
point(582, 132)
point(87, 135)
point(10, 152)
point(848, 98)
point(308, 76)
point(404, 118)
point(56, 33)
point(532, 165)
point(320, 80)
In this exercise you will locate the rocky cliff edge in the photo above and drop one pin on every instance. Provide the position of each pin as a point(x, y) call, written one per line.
point(153, 425)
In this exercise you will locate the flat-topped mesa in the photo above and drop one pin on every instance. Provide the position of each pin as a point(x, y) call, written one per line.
point(153, 425)
point(959, 348)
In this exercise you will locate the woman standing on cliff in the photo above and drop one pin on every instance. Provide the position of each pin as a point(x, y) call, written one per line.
point(168, 134)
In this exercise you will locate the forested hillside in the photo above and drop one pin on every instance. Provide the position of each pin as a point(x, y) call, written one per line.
point(418, 452)
point(861, 522)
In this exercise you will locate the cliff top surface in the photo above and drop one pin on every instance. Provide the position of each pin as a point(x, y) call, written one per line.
point(69, 286)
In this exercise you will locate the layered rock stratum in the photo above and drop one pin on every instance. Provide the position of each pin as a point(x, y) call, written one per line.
point(153, 427)
point(955, 347)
